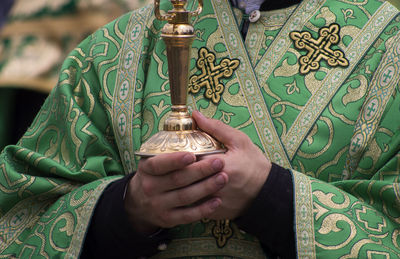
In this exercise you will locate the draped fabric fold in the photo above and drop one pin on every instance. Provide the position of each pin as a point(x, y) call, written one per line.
point(336, 128)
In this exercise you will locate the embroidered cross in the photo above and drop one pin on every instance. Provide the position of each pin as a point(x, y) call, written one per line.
point(366, 37)
point(18, 218)
point(303, 212)
point(304, 237)
point(259, 111)
point(268, 134)
point(319, 48)
point(265, 67)
point(124, 88)
point(278, 159)
point(280, 44)
point(211, 75)
point(387, 75)
point(371, 108)
point(225, 17)
point(233, 40)
point(222, 231)
point(122, 123)
point(306, 118)
point(336, 77)
point(356, 145)
point(249, 86)
point(253, 39)
point(135, 31)
point(128, 59)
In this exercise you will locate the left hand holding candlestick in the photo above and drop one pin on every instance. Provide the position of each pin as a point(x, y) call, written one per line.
point(173, 189)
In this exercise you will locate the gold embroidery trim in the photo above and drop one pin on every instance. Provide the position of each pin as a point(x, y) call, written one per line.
point(319, 49)
point(221, 231)
point(211, 75)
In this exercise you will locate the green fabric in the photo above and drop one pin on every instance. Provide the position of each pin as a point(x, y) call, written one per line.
point(58, 153)
point(336, 127)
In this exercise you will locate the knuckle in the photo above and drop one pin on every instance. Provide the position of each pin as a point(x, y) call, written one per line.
point(211, 186)
point(147, 187)
point(151, 166)
point(206, 168)
point(141, 166)
point(154, 204)
point(242, 138)
point(187, 217)
point(205, 211)
point(183, 197)
point(165, 219)
point(176, 179)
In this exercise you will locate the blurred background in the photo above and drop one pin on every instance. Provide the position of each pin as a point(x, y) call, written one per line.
point(35, 38)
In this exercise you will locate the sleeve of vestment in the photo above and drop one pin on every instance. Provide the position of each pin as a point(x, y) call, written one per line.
point(354, 212)
point(270, 216)
point(110, 227)
point(347, 206)
point(355, 218)
point(51, 180)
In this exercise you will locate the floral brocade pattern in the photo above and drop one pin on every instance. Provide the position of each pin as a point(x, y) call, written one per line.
point(57, 167)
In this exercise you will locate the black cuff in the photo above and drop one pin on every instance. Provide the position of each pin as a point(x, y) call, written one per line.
point(271, 216)
point(110, 234)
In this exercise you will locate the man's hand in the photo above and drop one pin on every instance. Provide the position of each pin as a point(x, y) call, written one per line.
point(244, 163)
point(172, 189)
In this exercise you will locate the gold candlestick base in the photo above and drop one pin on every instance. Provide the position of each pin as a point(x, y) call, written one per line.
point(180, 134)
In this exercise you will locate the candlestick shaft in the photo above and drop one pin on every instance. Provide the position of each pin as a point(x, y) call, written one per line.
point(178, 40)
point(180, 132)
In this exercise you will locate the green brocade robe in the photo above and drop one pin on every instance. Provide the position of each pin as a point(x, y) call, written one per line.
point(336, 126)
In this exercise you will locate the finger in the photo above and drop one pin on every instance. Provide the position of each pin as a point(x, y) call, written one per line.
point(165, 163)
point(192, 173)
point(188, 215)
point(229, 136)
point(195, 192)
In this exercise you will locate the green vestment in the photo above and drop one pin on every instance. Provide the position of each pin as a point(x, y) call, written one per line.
point(324, 104)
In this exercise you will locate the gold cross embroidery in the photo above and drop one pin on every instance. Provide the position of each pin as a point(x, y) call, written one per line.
point(211, 75)
point(319, 49)
point(222, 231)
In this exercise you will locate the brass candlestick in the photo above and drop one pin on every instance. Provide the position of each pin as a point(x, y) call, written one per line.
point(180, 132)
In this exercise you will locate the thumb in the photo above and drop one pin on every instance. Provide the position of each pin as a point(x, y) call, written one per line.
point(225, 134)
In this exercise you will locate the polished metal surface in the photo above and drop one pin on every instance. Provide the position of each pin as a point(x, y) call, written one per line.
point(180, 132)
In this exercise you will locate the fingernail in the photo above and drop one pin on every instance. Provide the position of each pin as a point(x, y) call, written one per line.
point(188, 159)
point(220, 180)
point(214, 204)
point(217, 164)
